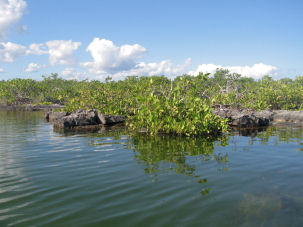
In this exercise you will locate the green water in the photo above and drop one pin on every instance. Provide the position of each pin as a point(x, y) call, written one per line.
point(109, 178)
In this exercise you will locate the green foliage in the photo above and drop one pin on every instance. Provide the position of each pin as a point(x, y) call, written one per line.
point(152, 151)
point(50, 90)
point(18, 91)
point(176, 112)
point(181, 106)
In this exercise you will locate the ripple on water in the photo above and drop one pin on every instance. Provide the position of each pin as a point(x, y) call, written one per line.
point(78, 179)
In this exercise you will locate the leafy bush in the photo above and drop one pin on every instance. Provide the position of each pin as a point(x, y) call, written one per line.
point(179, 106)
point(172, 112)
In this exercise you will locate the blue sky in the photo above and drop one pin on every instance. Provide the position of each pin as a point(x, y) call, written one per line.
point(94, 38)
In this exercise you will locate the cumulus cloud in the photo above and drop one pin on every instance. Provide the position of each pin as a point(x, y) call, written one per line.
point(37, 49)
point(122, 61)
point(109, 58)
point(256, 71)
point(9, 51)
point(33, 67)
point(165, 67)
point(72, 74)
point(61, 51)
point(11, 11)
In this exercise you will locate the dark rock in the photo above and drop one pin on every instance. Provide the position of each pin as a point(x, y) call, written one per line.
point(265, 114)
point(78, 118)
point(227, 113)
point(82, 119)
point(250, 118)
point(245, 118)
point(52, 116)
point(249, 121)
point(111, 119)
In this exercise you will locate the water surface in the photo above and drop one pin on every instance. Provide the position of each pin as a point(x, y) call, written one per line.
point(109, 178)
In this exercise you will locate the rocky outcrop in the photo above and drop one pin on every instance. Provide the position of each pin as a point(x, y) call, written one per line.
point(111, 119)
point(52, 116)
point(249, 121)
point(78, 118)
point(82, 118)
point(245, 118)
point(252, 119)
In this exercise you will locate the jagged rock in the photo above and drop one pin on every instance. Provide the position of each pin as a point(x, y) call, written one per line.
point(81, 118)
point(249, 121)
point(227, 113)
point(52, 116)
point(266, 114)
point(245, 118)
point(78, 118)
point(250, 118)
point(111, 119)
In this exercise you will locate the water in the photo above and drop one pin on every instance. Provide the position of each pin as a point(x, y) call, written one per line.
point(109, 178)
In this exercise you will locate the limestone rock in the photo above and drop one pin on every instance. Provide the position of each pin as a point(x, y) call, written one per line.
point(78, 118)
point(51, 116)
point(111, 119)
point(288, 116)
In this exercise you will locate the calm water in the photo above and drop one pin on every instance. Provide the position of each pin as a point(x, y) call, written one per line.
point(108, 178)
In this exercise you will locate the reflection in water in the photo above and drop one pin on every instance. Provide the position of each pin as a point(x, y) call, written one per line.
point(94, 130)
point(282, 134)
point(249, 132)
point(166, 153)
point(103, 177)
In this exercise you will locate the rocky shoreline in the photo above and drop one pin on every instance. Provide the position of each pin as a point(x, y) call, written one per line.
point(87, 119)
point(236, 118)
point(82, 118)
point(253, 119)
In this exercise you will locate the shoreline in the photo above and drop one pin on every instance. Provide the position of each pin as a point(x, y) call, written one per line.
point(31, 107)
point(245, 118)
point(237, 118)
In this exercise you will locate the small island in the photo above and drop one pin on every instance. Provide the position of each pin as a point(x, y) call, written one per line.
point(202, 105)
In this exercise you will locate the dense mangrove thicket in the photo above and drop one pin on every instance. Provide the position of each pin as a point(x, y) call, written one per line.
point(158, 104)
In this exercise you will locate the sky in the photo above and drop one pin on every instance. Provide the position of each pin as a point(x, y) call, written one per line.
point(93, 39)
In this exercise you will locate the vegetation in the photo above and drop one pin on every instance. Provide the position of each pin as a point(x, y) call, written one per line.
point(175, 154)
point(157, 104)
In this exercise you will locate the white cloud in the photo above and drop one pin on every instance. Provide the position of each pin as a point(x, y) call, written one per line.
point(9, 51)
point(109, 58)
point(37, 49)
point(2, 70)
point(165, 67)
point(256, 71)
point(11, 11)
point(61, 51)
point(122, 61)
point(33, 67)
point(72, 74)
